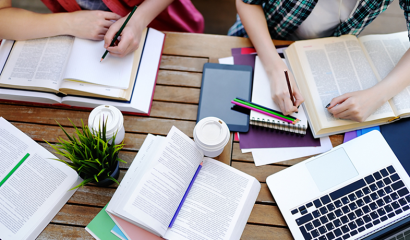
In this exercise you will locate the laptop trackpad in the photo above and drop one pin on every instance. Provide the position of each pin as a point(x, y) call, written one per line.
point(331, 169)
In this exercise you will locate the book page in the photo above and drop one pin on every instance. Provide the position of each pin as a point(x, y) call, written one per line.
point(218, 204)
point(384, 52)
point(335, 66)
point(84, 65)
point(37, 63)
point(35, 191)
point(156, 198)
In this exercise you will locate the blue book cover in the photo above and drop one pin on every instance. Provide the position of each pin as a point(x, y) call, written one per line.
point(117, 232)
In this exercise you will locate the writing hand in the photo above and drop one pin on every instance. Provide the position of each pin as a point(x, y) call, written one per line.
point(280, 91)
point(356, 106)
point(90, 24)
point(128, 40)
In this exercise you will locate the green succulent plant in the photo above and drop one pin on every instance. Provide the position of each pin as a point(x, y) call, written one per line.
point(90, 153)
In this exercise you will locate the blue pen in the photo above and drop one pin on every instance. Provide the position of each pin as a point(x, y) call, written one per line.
point(186, 194)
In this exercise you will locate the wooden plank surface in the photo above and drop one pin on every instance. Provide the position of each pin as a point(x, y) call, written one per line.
point(175, 104)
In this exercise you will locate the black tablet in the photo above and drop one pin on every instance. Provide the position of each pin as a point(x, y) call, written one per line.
point(220, 85)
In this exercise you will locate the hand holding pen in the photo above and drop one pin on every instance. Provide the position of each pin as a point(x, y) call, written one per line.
point(280, 91)
point(129, 40)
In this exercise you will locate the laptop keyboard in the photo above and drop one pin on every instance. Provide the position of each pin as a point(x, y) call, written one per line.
point(354, 208)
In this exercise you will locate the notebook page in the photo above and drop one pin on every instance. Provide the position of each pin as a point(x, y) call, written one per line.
point(261, 95)
point(84, 65)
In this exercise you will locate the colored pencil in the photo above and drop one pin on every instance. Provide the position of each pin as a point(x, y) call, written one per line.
point(185, 195)
point(251, 103)
point(119, 32)
point(293, 119)
point(263, 112)
point(289, 88)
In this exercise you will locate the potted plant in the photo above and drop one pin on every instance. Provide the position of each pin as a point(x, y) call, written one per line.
point(90, 154)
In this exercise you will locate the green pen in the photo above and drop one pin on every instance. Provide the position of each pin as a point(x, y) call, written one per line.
point(266, 110)
point(119, 32)
point(14, 169)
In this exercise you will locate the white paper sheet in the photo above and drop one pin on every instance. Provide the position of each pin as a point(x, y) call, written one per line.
point(263, 156)
point(227, 60)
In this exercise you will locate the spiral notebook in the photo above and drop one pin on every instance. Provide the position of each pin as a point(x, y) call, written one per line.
point(261, 95)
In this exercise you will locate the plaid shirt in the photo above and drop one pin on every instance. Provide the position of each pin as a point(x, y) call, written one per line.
point(285, 16)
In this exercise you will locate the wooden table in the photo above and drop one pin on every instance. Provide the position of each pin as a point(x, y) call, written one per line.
point(175, 103)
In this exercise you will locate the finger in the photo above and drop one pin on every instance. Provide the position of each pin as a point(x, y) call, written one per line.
point(337, 100)
point(107, 24)
point(339, 108)
point(111, 16)
point(109, 35)
point(282, 107)
point(289, 108)
point(299, 98)
point(343, 115)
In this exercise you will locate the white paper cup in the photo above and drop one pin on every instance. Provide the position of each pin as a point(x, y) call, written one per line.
point(114, 119)
point(211, 134)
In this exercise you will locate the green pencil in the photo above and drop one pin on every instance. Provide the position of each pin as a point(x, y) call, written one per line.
point(119, 32)
point(266, 110)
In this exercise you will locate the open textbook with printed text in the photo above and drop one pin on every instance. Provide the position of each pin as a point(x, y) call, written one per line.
point(67, 70)
point(216, 207)
point(33, 186)
point(329, 67)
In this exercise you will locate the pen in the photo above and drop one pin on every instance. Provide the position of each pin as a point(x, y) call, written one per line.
point(289, 88)
point(266, 111)
point(240, 100)
point(119, 32)
point(14, 169)
point(263, 112)
point(185, 195)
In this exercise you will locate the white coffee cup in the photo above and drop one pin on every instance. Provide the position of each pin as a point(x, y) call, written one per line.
point(211, 134)
point(114, 119)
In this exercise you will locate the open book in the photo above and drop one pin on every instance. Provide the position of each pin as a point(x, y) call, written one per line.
point(35, 70)
point(217, 206)
point(329, 67)
point(33, 187)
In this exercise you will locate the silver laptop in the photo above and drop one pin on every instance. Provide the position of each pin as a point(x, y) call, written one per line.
point(357, 190)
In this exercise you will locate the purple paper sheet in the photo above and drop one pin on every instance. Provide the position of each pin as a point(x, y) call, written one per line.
point(248, 60)
point(260, 137)
point(349, 136)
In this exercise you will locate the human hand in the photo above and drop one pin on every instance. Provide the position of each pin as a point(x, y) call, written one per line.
point(129, 38)
point(279, 89)
point(90, 24)
point(356, 106)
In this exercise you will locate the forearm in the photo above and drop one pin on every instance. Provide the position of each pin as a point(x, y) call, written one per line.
point(20, 24)
point(149, 10)
point(397, 80)
point(253, 19)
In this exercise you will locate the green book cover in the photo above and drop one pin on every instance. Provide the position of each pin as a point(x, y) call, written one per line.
point(100, 227)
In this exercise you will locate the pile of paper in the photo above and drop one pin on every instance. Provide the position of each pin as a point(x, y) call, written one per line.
point(269, 145)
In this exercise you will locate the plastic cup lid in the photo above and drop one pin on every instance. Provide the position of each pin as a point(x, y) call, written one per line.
point(211, 133)
point(109, 114)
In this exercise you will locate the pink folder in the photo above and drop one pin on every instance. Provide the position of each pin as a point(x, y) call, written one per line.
point(133, 232)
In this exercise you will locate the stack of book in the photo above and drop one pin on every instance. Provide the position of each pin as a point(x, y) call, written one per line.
point(172, 191)
point(67, 71)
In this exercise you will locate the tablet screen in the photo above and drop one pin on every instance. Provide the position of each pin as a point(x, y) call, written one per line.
point(220, 85)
